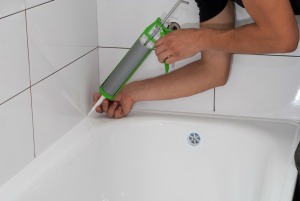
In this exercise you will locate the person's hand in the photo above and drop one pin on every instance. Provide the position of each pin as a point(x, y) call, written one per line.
point(118, 108)
point(178, 45)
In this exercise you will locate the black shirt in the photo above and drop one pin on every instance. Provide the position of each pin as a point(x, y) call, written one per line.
point(211, 8)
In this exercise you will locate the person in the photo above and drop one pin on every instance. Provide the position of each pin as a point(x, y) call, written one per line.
point(274, 30)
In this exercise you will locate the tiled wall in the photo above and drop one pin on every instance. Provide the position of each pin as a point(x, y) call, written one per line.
point(48, 73)
point(258, 86)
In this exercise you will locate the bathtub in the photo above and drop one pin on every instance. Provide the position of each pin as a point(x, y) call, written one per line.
point(161, 156)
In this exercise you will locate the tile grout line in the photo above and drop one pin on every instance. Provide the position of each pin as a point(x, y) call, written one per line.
point(31, 85)
point(105, 47)
point(39, 4)
point(18, 93)
point(214, 101)
point(9, 15)
point(64, 66)
point(6, 16)
point(30, 88)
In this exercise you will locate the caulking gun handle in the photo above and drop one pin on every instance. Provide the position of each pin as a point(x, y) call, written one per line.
point(164, 32)
point(166, 67)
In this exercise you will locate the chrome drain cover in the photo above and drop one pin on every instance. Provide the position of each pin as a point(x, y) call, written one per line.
point(194, 139)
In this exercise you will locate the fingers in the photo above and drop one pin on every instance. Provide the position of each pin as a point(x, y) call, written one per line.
point(159, 47)
point(111, 108)
point(161, 50)
point(119, 113)
point(164, 51)
point(159, 42)
point(103, 107)
point(115, 111)
point(178, 45)
point(118, 108)
point(164, 55)
point(96, 97)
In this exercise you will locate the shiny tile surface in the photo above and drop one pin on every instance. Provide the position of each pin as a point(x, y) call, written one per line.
point(58, 34)
point(8, 7)
point(63, 99)
point(16, 136)
point(120, 23)
point(14, 69)
point(261, 86)
point(200, 103)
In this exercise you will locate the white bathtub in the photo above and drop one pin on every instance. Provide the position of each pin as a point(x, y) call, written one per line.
point(147, 157)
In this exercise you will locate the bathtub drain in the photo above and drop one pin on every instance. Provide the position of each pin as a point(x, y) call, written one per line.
point(194, 139)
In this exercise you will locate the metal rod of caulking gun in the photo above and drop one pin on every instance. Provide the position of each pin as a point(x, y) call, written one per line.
point(165, 19)
point(173, 9)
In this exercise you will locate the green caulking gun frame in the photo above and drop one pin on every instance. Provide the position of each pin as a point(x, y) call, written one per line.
point(136, 56)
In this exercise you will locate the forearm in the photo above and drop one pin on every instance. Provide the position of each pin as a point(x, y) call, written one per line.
point(194, 78)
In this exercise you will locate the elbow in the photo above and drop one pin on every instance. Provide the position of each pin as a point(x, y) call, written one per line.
point(222, 81)
point(288, 46)
point(288, 42)
point(220, 73)
point(221, 78)
point(292, 46)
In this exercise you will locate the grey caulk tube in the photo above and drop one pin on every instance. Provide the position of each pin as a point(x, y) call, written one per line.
point(124, 70)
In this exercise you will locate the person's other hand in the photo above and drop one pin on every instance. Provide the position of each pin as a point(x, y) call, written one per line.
point(178, 45)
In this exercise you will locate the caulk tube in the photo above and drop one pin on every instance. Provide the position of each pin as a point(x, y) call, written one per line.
point(124, 70)
point(132, 60)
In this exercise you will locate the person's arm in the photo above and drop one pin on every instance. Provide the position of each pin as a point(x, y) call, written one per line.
point(210, 71)
point(274, 30)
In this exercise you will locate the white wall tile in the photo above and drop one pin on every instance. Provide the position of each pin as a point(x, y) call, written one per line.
point(201, 103)
point(32, 3)
point(8, 7)
point(16, 135)
point(242, 17)
point(120, 22)
point(60, 32)
point(14, 70)
point(63, 99)
point(261, 86)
